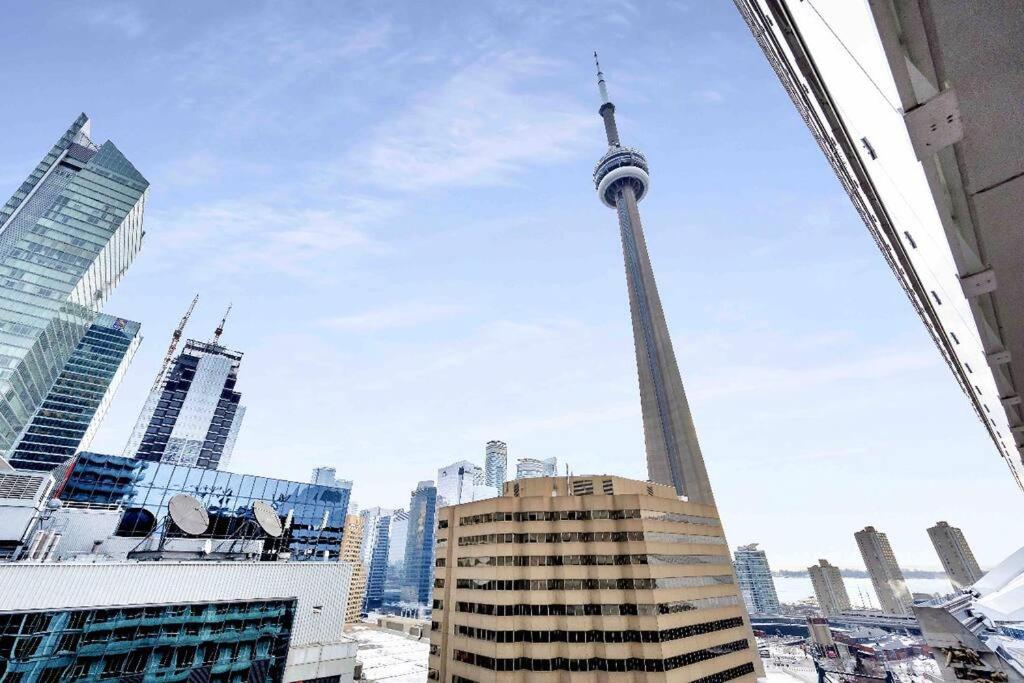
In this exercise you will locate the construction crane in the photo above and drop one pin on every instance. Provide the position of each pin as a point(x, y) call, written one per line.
point(220, 328)
point(175, 338)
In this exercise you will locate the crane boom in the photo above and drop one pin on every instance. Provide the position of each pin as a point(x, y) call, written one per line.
point(175, 338)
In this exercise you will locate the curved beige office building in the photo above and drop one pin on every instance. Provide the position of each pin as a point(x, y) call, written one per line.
point(587, 578)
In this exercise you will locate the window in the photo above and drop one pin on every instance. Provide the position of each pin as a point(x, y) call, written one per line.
point(910, 240)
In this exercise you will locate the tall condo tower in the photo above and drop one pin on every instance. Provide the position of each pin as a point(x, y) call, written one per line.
point(886, 575)
point(956, 556)
point(67, 236)
point(193, 413)
point(754, 577)
point(673, 454)
point(829, 588)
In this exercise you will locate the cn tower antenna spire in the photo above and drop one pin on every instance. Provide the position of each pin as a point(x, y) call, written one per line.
point(607, 109)
point(601, 86)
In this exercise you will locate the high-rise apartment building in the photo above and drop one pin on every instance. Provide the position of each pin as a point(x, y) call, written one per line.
point(602, 578)
point(456, 481)
point(76, 404)
point(67, 236)
point(496, 464)
point(527, 468)
point(193, 416)
point(376, 530)
point(886, 575)
point(955, 555)
point(829, 588)
point(908, 103)
point(352, 552)
point(417, 581)
point(755, 580)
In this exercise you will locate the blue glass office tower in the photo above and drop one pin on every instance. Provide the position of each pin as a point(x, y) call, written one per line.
point(67, 236)
point(78, 401)
point(317, 512)
point(194, 416)
point(419, 544)
point(376, 540)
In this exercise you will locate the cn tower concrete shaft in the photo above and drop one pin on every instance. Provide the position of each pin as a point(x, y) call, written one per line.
point(673, 452)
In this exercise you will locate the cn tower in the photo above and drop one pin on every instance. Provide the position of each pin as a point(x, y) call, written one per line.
point(673, 453)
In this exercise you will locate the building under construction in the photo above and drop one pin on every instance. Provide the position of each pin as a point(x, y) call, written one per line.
point(193, 413)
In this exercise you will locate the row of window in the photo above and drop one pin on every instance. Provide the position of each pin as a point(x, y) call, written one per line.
point(585, 560)
point(595, 636)
point(595, 609)
point(597, 663)
point(584, 515)
point(591, 584)
point(548, 516)
point(591, 537)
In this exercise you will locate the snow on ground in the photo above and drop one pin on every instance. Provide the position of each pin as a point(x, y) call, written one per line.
point(389, 656)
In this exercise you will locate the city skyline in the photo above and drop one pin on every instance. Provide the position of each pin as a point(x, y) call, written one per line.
point(807, 385)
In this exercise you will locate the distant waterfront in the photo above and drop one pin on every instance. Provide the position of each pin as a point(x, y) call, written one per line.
point(796, 588)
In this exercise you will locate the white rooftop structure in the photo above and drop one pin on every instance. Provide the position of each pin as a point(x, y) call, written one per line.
point(317, 647)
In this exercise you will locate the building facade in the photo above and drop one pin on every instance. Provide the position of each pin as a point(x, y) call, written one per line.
point(418, 578)
point(955, 555)
point(314, 515)
point(596, 578)
point(829, 588)
point(376, 536)
point(496, 464)
point(200, 621)
point(886, 575)
point(352, 553)
point(67, 236)
point(527, 468)
point(456, 481)
point(904, 102)
point(755, 580)
point(192, 418)
point(397, 538)
point(76, 404)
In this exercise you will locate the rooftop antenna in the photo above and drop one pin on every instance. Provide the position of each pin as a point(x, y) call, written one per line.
point(220, 328)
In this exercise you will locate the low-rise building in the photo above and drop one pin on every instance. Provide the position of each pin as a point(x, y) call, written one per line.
point(200, 621)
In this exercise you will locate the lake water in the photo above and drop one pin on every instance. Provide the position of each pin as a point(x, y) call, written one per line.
point(796, 588)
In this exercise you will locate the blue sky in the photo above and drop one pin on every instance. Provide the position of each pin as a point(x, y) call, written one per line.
point(398, 203)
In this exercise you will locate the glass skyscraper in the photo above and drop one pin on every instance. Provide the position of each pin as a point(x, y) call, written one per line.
point(496, 464)
point(316, 513)
point(67, 235)
point(376, 540)
point(419, 544)
point(194, 416)
point(75, 406)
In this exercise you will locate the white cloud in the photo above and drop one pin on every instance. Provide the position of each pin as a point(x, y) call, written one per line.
point(491, 120)
point(251, 236)
point(408, 314)
point(122, 17)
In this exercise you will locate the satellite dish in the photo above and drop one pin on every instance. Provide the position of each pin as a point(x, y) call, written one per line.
point(188, 514)
point(267, 518)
